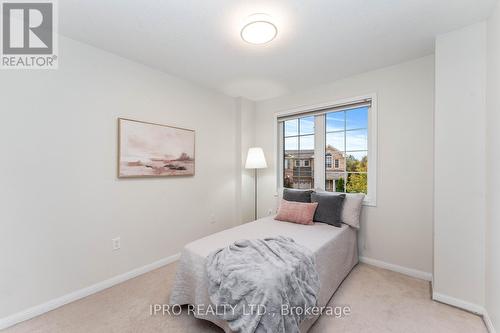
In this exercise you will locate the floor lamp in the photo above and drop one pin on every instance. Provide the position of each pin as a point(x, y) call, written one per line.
point(255, 160)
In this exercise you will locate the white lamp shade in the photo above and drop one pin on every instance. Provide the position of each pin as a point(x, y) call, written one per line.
point(255, 159)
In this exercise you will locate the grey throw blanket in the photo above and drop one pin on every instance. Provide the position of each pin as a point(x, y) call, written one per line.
point(254, 284)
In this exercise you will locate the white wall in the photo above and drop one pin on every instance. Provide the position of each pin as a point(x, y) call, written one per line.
point(61, 203)
point(459, 190)
point(492, 171)
point(399, 230)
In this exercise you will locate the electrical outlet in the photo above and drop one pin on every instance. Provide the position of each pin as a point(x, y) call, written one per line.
point(116, 243)
point(270, 211)
point(213, 220)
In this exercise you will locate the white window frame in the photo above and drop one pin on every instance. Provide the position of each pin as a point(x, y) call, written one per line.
point(319, 144)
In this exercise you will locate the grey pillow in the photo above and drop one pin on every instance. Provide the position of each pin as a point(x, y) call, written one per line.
point(329, 207)
point(297, 195)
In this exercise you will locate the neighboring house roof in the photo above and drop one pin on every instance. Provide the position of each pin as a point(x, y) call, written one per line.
point(303, 154)
point(309, 153)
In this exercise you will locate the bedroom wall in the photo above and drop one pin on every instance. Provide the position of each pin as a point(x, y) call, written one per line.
point(459, 190)
point(399, 230)
point(492, 167)
point(61, 201)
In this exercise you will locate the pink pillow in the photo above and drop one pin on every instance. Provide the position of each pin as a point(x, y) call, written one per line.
point(296, 212)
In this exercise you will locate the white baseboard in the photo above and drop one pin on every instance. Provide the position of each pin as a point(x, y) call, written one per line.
point(488, 322)
point(78, 294)
point(471, 307)
point(467, 306)
point(396, 268)
point(474, 308)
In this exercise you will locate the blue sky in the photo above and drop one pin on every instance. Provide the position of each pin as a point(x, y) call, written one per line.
point(355, 138)
point(354, 119)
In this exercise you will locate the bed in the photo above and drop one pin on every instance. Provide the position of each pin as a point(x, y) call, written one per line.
point(335, 250)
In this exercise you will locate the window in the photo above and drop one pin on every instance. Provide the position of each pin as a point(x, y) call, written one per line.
point(347, 134)
point(298, 146)
point(332, 148)
point(328, 160)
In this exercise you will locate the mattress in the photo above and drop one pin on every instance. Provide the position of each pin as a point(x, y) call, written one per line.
point(335, 251)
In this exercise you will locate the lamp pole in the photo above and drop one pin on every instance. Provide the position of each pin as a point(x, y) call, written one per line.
point(255, 190)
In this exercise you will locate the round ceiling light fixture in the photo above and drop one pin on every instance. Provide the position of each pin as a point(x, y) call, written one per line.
point(259, 30)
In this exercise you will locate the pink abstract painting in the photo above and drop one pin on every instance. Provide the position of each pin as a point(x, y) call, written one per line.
point(153, 150)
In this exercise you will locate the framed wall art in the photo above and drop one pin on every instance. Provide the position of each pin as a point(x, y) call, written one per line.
point(154, 150)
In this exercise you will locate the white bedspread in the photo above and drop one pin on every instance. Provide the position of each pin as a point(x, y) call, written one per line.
point(335, 251)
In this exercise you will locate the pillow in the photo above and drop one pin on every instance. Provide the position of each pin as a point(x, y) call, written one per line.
point(352, 209)
point(296, 212)
point(329, 207)
point(297, 195)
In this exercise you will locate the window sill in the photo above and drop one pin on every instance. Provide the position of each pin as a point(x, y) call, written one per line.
point(369, 203)
point(366, 202)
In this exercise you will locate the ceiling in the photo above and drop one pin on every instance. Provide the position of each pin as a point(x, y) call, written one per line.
point(319, 41)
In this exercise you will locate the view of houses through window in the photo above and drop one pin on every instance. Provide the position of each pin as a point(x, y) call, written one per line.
point(299, 153)
point(347, 143)
point(346, 151)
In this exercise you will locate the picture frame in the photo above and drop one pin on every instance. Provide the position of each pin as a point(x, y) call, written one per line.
point(148, 149)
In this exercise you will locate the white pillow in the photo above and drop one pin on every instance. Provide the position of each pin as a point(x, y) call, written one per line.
point(351, 210)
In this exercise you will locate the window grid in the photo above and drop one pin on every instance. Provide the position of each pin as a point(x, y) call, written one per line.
point(361, 146)
point(299, 162)
point(345, 173)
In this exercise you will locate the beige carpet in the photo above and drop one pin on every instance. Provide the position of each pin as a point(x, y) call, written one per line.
point(380, 300)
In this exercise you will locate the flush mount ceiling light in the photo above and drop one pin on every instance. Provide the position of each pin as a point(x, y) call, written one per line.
point(258, 30)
